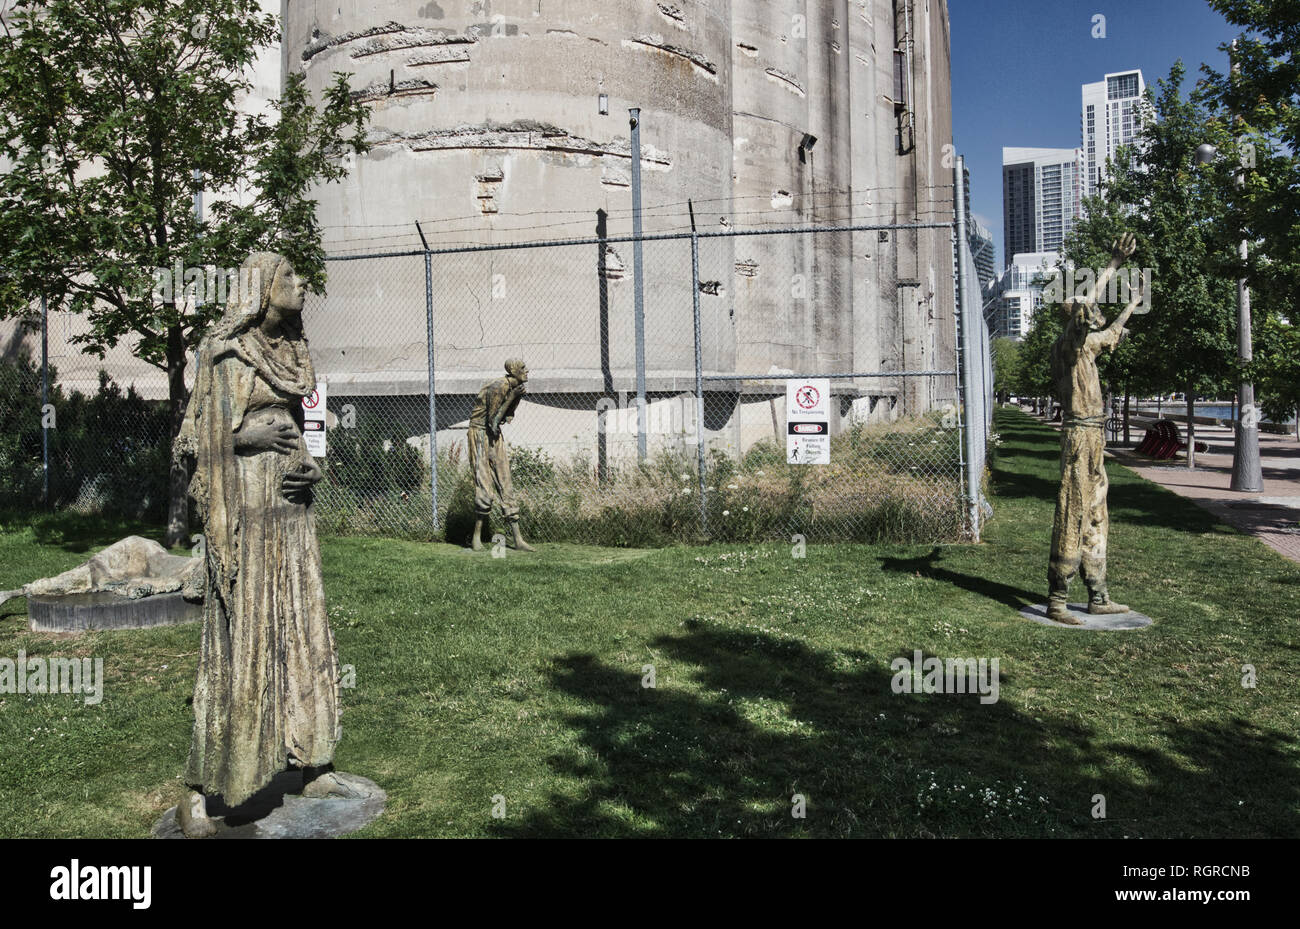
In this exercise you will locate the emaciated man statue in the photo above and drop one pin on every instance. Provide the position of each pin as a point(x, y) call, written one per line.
point(489, 456)
point(1082, 524)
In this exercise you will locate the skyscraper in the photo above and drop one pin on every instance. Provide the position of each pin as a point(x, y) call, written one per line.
point(981, 249)
point(1042, 195)
point(980, 241)
point(1111, 117)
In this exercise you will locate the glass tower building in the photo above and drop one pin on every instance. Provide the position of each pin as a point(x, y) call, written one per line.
point(1042, 196)
point(1111, 117)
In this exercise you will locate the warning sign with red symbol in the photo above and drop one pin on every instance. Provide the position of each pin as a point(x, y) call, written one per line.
point(313, 421)
point(808, 421)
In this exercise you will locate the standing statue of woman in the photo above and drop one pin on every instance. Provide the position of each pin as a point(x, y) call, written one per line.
point(267, 695)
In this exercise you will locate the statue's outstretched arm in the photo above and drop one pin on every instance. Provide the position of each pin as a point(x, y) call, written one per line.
point(1109, 337)
point(1120, 251)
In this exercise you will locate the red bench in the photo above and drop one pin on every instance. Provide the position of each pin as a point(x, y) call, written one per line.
point(1163, 441)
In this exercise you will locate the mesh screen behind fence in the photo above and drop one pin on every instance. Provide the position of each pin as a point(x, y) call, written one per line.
point(731, 324)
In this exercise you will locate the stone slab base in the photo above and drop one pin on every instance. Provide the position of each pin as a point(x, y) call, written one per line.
point(280, 812)
point(107, 610)
point(1129, 620)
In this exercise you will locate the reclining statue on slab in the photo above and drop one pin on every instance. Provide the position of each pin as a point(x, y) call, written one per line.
point(132, 567)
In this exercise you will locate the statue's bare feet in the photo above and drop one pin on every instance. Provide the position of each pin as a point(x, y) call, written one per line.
point(520, 544)
point(1062, 614)
point(192, 815)
point(476, 543)
point(336, 784)
point(1107, 607)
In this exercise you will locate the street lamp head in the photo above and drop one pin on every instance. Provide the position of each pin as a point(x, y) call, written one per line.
point(1206, 153)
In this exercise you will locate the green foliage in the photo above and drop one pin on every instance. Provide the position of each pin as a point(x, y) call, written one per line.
point(1263, 140)
point(890, 481)
point(113, 115)
point(1277, 353)
point(146, 92)
point(20, 432)
point(108, 451)
point(1036, 353)
point(372, 461)
point(530, 467)
point(1007, 367)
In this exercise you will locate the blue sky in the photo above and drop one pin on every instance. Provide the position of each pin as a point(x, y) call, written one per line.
point(1017, 68)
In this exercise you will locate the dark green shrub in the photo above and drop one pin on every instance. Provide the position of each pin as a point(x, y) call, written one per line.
point(20, 432)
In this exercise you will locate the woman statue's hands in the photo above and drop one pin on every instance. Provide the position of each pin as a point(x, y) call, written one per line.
point(266, 436)
point(296, 485)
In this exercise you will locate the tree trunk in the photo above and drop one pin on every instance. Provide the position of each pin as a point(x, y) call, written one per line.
point(1191, 428)
point(178, 506)
point(1126, 423)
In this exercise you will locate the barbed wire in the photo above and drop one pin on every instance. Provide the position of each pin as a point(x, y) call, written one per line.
point(937, 207)
point(649, 210)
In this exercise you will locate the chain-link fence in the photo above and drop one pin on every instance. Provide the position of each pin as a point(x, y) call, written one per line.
point(674, 430)
point(760, 384)
point(75, 432)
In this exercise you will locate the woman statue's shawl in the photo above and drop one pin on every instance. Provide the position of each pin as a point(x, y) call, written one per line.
point(230, 357)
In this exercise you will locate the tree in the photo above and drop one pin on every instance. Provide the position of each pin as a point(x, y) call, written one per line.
point(1006, 368)
point(1036, 353)
point(113, 114)
point(1263, 96)
point(1278, 357)
point(1177, 209)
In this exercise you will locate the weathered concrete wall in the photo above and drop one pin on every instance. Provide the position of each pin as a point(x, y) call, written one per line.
point(486, 126)
point(486, 129)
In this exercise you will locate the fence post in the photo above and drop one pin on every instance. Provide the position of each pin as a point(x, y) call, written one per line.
point(638, 284)
point(966, 354)
point(45, 399)
point(699, 374)
point(433, 402)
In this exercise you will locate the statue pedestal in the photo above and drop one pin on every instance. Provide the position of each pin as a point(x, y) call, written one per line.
point(1129, 620)
point(107, 610)
point(279, 811)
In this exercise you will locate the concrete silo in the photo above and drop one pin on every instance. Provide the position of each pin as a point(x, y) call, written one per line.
point(487, 127)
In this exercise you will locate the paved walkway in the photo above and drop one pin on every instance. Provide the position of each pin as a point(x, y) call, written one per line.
point(1272, 516)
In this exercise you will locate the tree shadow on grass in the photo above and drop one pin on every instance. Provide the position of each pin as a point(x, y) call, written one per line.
point(777, 718)
point(1147, 504)
point(1006, 483)
point(924, 565)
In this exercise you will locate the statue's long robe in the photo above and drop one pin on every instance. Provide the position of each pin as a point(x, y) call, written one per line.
point(267, 689)
point(1082, 523)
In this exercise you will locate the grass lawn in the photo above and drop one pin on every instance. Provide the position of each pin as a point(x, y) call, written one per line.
point(522, 677)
